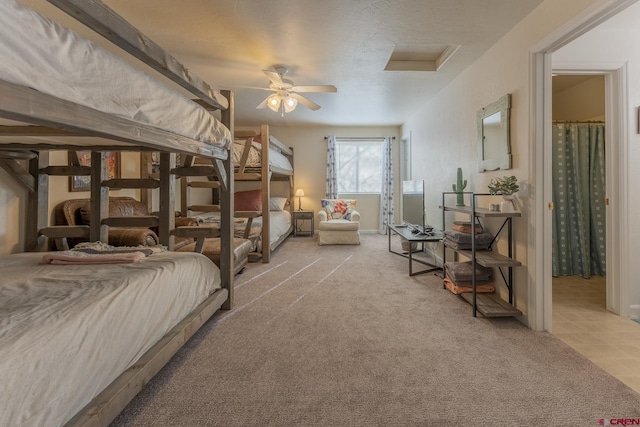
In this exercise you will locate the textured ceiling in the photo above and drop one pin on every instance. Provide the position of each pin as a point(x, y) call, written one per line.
point(346, 43)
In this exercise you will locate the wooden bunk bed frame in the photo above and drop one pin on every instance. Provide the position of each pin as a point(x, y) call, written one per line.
point(244, 173)
point(50, 116)
point(265, 176)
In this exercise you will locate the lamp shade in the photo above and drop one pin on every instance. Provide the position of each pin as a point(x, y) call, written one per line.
point(299, 192)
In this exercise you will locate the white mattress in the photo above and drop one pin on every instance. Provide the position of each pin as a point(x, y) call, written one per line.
point(276, 158)
point(38, 53)
point(279, 223)
point(66, 332)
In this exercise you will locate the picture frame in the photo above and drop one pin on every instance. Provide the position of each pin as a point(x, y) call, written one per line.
point(83, 158)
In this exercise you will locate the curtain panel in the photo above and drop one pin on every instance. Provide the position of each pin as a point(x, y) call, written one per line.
point(386, 193)
point(331, 191)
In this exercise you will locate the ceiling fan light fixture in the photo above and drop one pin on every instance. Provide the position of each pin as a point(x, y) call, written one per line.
point(273, 102)
point(286, 95)
point(290, 104)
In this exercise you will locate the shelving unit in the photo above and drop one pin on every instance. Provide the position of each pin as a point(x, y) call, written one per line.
point(487, 304)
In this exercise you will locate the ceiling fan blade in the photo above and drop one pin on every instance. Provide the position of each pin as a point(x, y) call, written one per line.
point(253, 87)
point(274, 77)
point(304, 101)
point(263, 104)
point(318, 88)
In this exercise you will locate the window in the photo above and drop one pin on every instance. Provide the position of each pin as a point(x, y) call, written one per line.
point(359, 164)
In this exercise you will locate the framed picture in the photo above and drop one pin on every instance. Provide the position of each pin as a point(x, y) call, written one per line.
point(83, 158)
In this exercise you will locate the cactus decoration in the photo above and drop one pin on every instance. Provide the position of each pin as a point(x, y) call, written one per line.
point(459, 188)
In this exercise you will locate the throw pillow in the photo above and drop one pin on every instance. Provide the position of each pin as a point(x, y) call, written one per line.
point(339, 208)
point(277, 203)
point(248, 200)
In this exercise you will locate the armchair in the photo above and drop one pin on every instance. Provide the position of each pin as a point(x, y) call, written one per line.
point(338, 222)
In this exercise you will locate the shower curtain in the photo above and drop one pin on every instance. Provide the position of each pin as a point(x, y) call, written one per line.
point(578, 198)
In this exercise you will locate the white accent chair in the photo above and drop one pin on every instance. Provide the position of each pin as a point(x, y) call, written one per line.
point(338, 223)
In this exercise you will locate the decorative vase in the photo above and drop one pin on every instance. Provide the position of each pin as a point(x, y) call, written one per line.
point(507, 204)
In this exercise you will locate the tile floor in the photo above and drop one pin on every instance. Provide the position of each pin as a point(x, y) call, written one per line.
point(581, 320)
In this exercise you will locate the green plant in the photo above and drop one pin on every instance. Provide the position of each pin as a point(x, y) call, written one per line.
point(507, 185)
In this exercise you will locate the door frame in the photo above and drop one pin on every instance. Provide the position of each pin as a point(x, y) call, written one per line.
point(540, 235)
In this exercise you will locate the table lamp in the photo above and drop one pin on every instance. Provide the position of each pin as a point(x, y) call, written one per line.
point(299, 194)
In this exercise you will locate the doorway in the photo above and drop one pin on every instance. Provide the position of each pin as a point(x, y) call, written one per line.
point(579, 193)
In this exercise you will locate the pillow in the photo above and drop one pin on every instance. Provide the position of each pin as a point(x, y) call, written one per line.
point(339, 208)
point(277, 203)
point(248, 200)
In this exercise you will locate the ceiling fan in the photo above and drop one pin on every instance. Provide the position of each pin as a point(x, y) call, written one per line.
point(286, 95)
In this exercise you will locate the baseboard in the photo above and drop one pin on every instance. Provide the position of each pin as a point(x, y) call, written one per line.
point(634, 310)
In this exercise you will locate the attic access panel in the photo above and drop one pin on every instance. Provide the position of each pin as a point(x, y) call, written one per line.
point(420, 57)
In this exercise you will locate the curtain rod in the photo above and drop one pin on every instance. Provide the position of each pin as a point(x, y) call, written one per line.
point(595, 122)
point(360, 137)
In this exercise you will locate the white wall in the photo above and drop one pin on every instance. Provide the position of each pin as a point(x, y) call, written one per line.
point(444, 132)
point(583, 101)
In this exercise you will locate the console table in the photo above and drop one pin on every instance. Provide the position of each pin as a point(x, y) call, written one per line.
point(405, 233)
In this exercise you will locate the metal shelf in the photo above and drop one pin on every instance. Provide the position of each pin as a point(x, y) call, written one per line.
point(491, 304)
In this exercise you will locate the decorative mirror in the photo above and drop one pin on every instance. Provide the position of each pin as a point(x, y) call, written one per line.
point(494, 146)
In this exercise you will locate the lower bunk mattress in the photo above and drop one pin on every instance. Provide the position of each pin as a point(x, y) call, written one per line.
point(279, 225)
point(67, 331)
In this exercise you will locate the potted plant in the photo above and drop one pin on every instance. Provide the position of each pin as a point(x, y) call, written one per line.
point(506, 186)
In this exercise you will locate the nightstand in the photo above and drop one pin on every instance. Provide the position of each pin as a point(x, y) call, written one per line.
point(301, 216)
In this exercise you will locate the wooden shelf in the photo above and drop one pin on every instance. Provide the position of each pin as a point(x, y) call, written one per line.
point(490, 259)
point(491, 305)
point(481, 212)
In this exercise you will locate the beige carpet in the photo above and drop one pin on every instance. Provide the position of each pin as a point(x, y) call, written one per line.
point(342, 336)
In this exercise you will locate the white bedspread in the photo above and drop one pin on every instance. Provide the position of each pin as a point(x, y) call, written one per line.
point(66, 332)
point(40, 54)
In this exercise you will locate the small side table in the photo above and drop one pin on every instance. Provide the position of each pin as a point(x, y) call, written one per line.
point(301, 216)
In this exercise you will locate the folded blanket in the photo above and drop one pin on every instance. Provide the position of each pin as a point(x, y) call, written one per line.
point(103, 248)
point(78, 257)
point(484, 238)
point(463, 246)
point(465, 227)
point(461, 271)
point(458, 289)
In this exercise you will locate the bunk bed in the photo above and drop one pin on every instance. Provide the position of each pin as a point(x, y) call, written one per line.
point(254, 163)
point(77, 342)
point(268, 216)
